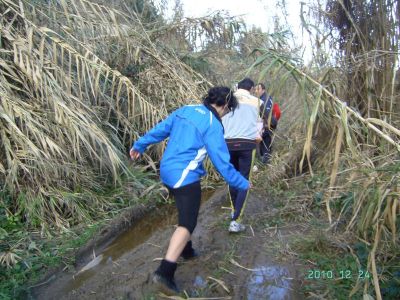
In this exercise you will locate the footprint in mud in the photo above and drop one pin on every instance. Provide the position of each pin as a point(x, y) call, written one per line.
point(269, 282)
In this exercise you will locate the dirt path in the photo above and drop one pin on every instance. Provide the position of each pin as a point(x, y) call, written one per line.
point(231, 266)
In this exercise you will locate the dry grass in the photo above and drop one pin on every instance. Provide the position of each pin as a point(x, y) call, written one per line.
point(351, 128)
point(79, 82)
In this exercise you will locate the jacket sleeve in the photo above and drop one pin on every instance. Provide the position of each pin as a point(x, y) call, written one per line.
point(157, 134)
point(218, 152)
point(266, 108)
point(270, 122)
point(274, 122)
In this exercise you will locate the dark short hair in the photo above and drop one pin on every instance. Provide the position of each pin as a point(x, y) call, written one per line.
point(262, 85)
point(220, 96)
point(246, 84)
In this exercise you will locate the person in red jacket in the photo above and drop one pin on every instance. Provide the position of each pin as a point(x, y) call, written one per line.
point(276, 111)
point(270, 113)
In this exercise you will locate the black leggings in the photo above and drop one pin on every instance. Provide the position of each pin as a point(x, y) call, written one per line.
point(266, 143)
point(187, 200)
point(242, 161)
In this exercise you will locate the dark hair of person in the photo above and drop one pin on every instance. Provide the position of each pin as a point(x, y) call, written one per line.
point(262, 85)
point(246, 84)
point(220, 96)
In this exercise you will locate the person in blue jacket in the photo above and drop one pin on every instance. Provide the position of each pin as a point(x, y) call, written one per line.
point(194, 131)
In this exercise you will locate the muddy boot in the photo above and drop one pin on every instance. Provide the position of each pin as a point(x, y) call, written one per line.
point(188, 252)
point(164, 276)
point(266, 157)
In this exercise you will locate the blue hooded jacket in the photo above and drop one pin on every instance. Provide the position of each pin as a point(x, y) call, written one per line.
point(193, 132)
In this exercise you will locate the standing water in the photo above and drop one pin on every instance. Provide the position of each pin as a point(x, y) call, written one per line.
point(269, 282)
point(138, 234)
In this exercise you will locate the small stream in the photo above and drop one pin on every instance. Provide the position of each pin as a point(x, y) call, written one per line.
point(138, 234)
point(266, 281)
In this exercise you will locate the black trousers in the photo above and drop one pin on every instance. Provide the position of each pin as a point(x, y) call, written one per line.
point(266, 145)
point(187, 200)
point(242, 161)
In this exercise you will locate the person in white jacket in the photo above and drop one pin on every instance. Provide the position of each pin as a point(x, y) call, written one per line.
point(241, 136)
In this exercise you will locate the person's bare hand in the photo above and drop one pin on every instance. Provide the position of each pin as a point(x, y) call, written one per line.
point(250, 185)
point(134, 154)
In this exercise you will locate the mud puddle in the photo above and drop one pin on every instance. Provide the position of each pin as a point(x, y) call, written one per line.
point(270, 282)
point(230, 266)
point(137, 235)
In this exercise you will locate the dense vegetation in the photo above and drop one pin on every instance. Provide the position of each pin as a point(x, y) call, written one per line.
point(80, 80)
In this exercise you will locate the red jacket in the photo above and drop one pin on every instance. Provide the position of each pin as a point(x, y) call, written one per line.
point(276, 111)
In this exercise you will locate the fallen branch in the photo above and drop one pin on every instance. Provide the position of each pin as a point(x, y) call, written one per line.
point(221, 283)
point(240, 266)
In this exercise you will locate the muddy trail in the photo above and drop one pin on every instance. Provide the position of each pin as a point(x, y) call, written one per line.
point(230, 266)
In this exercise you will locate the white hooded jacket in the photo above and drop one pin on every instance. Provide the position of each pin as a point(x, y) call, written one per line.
point(242, 123)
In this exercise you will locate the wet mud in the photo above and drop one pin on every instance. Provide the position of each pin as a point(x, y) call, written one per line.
point(230, 266)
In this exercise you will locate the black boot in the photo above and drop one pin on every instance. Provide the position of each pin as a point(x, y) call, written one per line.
point(188, 252)
point(164, 275)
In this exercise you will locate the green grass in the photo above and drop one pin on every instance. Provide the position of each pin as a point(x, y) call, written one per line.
point(41, 249)
point(329, 268)
point(38, 255)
